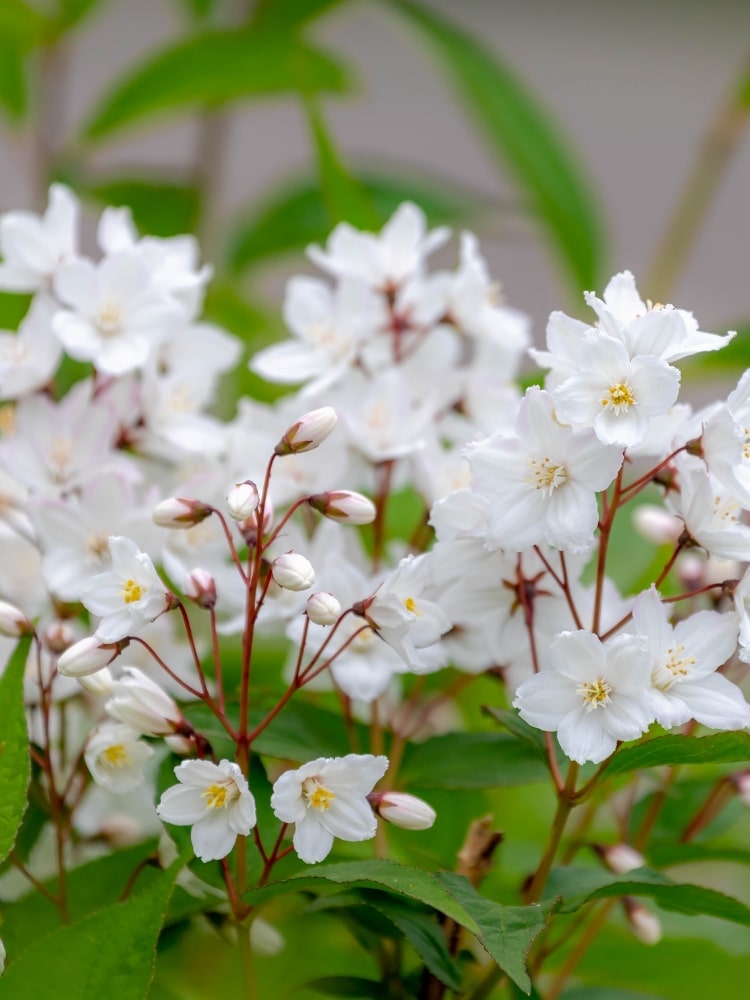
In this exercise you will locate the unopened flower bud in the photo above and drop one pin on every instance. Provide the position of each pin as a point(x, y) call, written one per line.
point(344, 506)
point(141, 704)
point(264, 938)
point(741, 783)
point(644, 924)
point(58, 637)
point(620, 858)
point(201, 588)
point(293, 572)
point(656, 524)
point(323, 608)
point(13, 622)
point(401, 809)
point(308, 432)
point(87, 656)
point(120, 829)
point(98, 683)
point(242, 500)
point(180, 512)
point(181, 745)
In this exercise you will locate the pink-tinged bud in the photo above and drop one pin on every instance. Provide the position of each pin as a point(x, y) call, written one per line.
point(242, 500)
point(644, 924)
point(13, 622)
point(344, 506)
point(308, 432)
point(401, 809)
point(58, 637)
point(293, 572)
point(323, 608)
point(99, 684)
point(88, 656)
point(741, 783)
point(620, 858)
point(657, 525)
point(181, 745)
point(201, 588)
point(180, 512)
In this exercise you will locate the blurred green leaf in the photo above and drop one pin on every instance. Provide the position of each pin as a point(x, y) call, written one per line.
point(71, 12)
point(13, 308)
point(21, 22)
point(578, 885)
point(212, 69)
point(304, 731)
point(472, 760)
point(670, 853)
point(513, 722)
point(293, 14)
point(13, 91)
point(721, 748)
point(15, 769)
point(521, 134)
point(199, 9)
point(599, 993)
point(350, 986)
point(160, 207)
point(506, 932)
point(296, 216)
point(109, 953)
point(343, 196)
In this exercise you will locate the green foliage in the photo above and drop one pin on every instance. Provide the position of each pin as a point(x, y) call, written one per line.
point(14, 748)
point(212, 69)
point(472, 760)
point(160, 207)
point(20, 22)
point(108, 953)
point(13, 95)
point(522, 136)
point(674, 749)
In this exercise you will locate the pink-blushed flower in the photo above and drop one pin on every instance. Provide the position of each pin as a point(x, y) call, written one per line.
point(215, 801)
point(327, 798)
point(115, 755)
point(590, 693)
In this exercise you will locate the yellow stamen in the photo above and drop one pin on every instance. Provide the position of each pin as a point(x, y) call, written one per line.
point(216, 796)
point(317, 795)
point(594, 694)
point(115, 756)
point(132, 591)
point(545, 476)
point(619, 397)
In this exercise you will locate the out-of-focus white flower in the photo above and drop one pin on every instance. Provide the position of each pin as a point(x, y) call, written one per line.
point(34, 246)
point(645, 925)
point(180, 512)
point(620, 858)
point(87, 656)
point(29, 358)
point(129, 595)
point(215, 801)
point(712, 515)
point(242, 500)
point(308, 432)
point(99, 683)
point(327, 798)
point(344, 506)
point(657, 524)
point(200, 586)
point(323, 608)
point(401, 809)
point(293, 571)
point(2, 957)
point(116, 756)
point(13, 622)
point(140, 703)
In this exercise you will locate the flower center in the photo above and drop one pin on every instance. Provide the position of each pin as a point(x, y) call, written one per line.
point(115, 756)
point(674, 668)
point(98, 543)
point(109, 318)
point(545, 475)
point(61, 455)
point(726, 511)
point(411, 606)
point(363, 640)
point(317, 795)
point(619, 397)
point(594, 694)
point(132, 591)
point(220, 796)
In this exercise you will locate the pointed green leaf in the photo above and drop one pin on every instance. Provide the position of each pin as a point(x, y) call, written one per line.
point(21, 22)
point(212, 69)
point(71, 12)
point(349, 986)
point(109, 953)
point(670, 853)
point(506, 932)
point(160, 207)
point(523, 137)
point(293, 14)
point(472, 760)
point(581, 885)
point(13, 91)
point(674, 749)
point(15, 769)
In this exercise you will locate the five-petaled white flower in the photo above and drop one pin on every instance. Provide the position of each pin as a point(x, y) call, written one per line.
point(115, 755)
point(215, 801)
point(327, 798)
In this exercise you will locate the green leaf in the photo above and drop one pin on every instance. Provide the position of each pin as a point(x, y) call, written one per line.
point(344, 197)
point(472, 760)
point(109, 953)
point(349, 986)
point(506, 932)
point(303, 731)
point(296, 216)
point(13, 90)
point(71, 12)
point(15, 768)
point(582, 885)
point(670, 853)
point(721, 748)
point(602, 993)
point(522, 136)
point(20, 22)
point(412, 883)
point(293, 14)
point(513, 722)
point(160, 207)
point(212, 69)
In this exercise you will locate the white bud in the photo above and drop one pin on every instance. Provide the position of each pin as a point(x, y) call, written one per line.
point(323, 608)
point(58, 637)
point(644, 924)
point(98, 683)
point(293, 572)
point(141, 704)
point(242, 500)
point(656, 524)
point(308, 432)
point(741, 783)
point(620, 858)
point(344, 506)
point(181, 745)
point(264, 938)
point(402, 809)
point(13, 622)
point(201, 588)
point(87, 656)
point(180, 512)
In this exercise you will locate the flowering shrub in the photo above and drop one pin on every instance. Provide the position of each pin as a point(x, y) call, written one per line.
point(224, 633)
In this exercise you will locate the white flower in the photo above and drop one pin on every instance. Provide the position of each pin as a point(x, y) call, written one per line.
point(592, 695)
point(29, 358)
point(128, 596)
point(684, 661)
point(115, 756)
point(712, 515)
point(34, 246)
point(13, 622)
point(327, 798)
point(214, 799)
point(542, 482)
point(139, 702)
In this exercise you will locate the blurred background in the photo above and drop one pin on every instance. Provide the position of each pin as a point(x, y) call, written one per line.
point(563, 133)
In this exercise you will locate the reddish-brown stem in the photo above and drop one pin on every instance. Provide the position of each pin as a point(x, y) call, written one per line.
point(382, 493)
point(39, 886)
point(609, 509)
point(217, 663)
point(191, 641)
point(714, 803)
point(230, 542)
point(634, 488)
